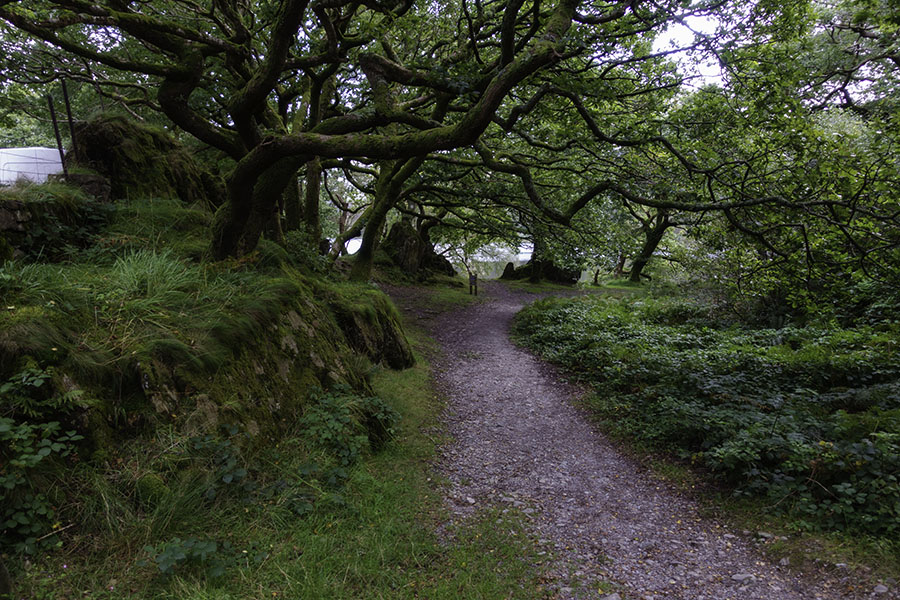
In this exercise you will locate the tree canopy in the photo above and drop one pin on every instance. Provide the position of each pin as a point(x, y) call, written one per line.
point(558, 122)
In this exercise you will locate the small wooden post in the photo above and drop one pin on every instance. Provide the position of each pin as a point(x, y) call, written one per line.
point(69, 117)
point(473, 283)
point(59, 144)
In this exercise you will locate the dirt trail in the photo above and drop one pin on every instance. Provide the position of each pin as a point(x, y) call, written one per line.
point(519, 442)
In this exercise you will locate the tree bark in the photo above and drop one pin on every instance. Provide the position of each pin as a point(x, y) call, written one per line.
point(537, 260)
point(183, 61)
point(275, 228)
point(332, 139)
point(653, 236)
point(293, 211)
point(391, 178)
point(384, 201)
point(241, 220)
point(620, 266)
point(311, 221)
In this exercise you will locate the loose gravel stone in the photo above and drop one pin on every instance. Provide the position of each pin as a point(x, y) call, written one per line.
point(517, 436)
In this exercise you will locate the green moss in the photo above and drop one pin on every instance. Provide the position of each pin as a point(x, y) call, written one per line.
point(100, 436)
point(167, 344)
point(369, 321)
point(151, 491)
point(266, 382)
point(29, 330)
point(6, 251)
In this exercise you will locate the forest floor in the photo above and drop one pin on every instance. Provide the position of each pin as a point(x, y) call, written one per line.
point(609, 527)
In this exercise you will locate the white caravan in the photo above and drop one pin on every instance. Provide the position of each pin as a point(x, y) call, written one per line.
point(33, 164)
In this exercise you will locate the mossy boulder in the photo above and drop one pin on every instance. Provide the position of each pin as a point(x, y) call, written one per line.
point(176, 362)
point(317, 338)
point(151, 490)
point(371, 326)
point(143, 161)
point(549, 271)
point(414, 254)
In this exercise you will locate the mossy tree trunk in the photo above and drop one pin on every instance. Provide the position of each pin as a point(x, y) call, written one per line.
point(322, 87)
point(620, 265)
point(391, 177)
point(537, 259)
point(239, 225)
point(275, 228)
point(293, 210)
point(375, 217)
point(221, 80)
point(311, 222)
point(237, 230)
point(654, 229)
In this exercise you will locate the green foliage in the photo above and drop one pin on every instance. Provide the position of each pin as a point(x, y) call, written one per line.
point(337, 428)
point(340, 423)
point(30, 448)
point(204, 555)
point(135, 305)
point(179, 552)
point(310, 528)
point(346, 424)
point(61, 218)
point(221, 460)
point(25, 395)
point(18, 127)
point(155, 223)
point(27, 448)
point(138, 318)
point(807, 418)
point(303, 252)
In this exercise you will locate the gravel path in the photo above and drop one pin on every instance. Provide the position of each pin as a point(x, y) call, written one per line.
point(519, 442)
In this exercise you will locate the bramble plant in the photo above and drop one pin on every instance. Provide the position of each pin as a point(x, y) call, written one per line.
point(224, 462)
point(26, 448)
point(345, 423)
point(30, 445)
point(24, 394)
point(339, 422)
point(192, 553)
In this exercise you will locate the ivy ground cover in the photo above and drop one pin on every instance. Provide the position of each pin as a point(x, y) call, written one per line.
point(808, 419)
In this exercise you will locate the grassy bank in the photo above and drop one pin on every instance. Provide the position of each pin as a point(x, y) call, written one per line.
point(175, 428)
point(321, 530)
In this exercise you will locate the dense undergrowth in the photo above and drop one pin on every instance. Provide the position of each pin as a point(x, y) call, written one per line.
point(807, 419)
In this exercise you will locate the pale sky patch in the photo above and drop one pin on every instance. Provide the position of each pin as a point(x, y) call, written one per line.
point(701, 69)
